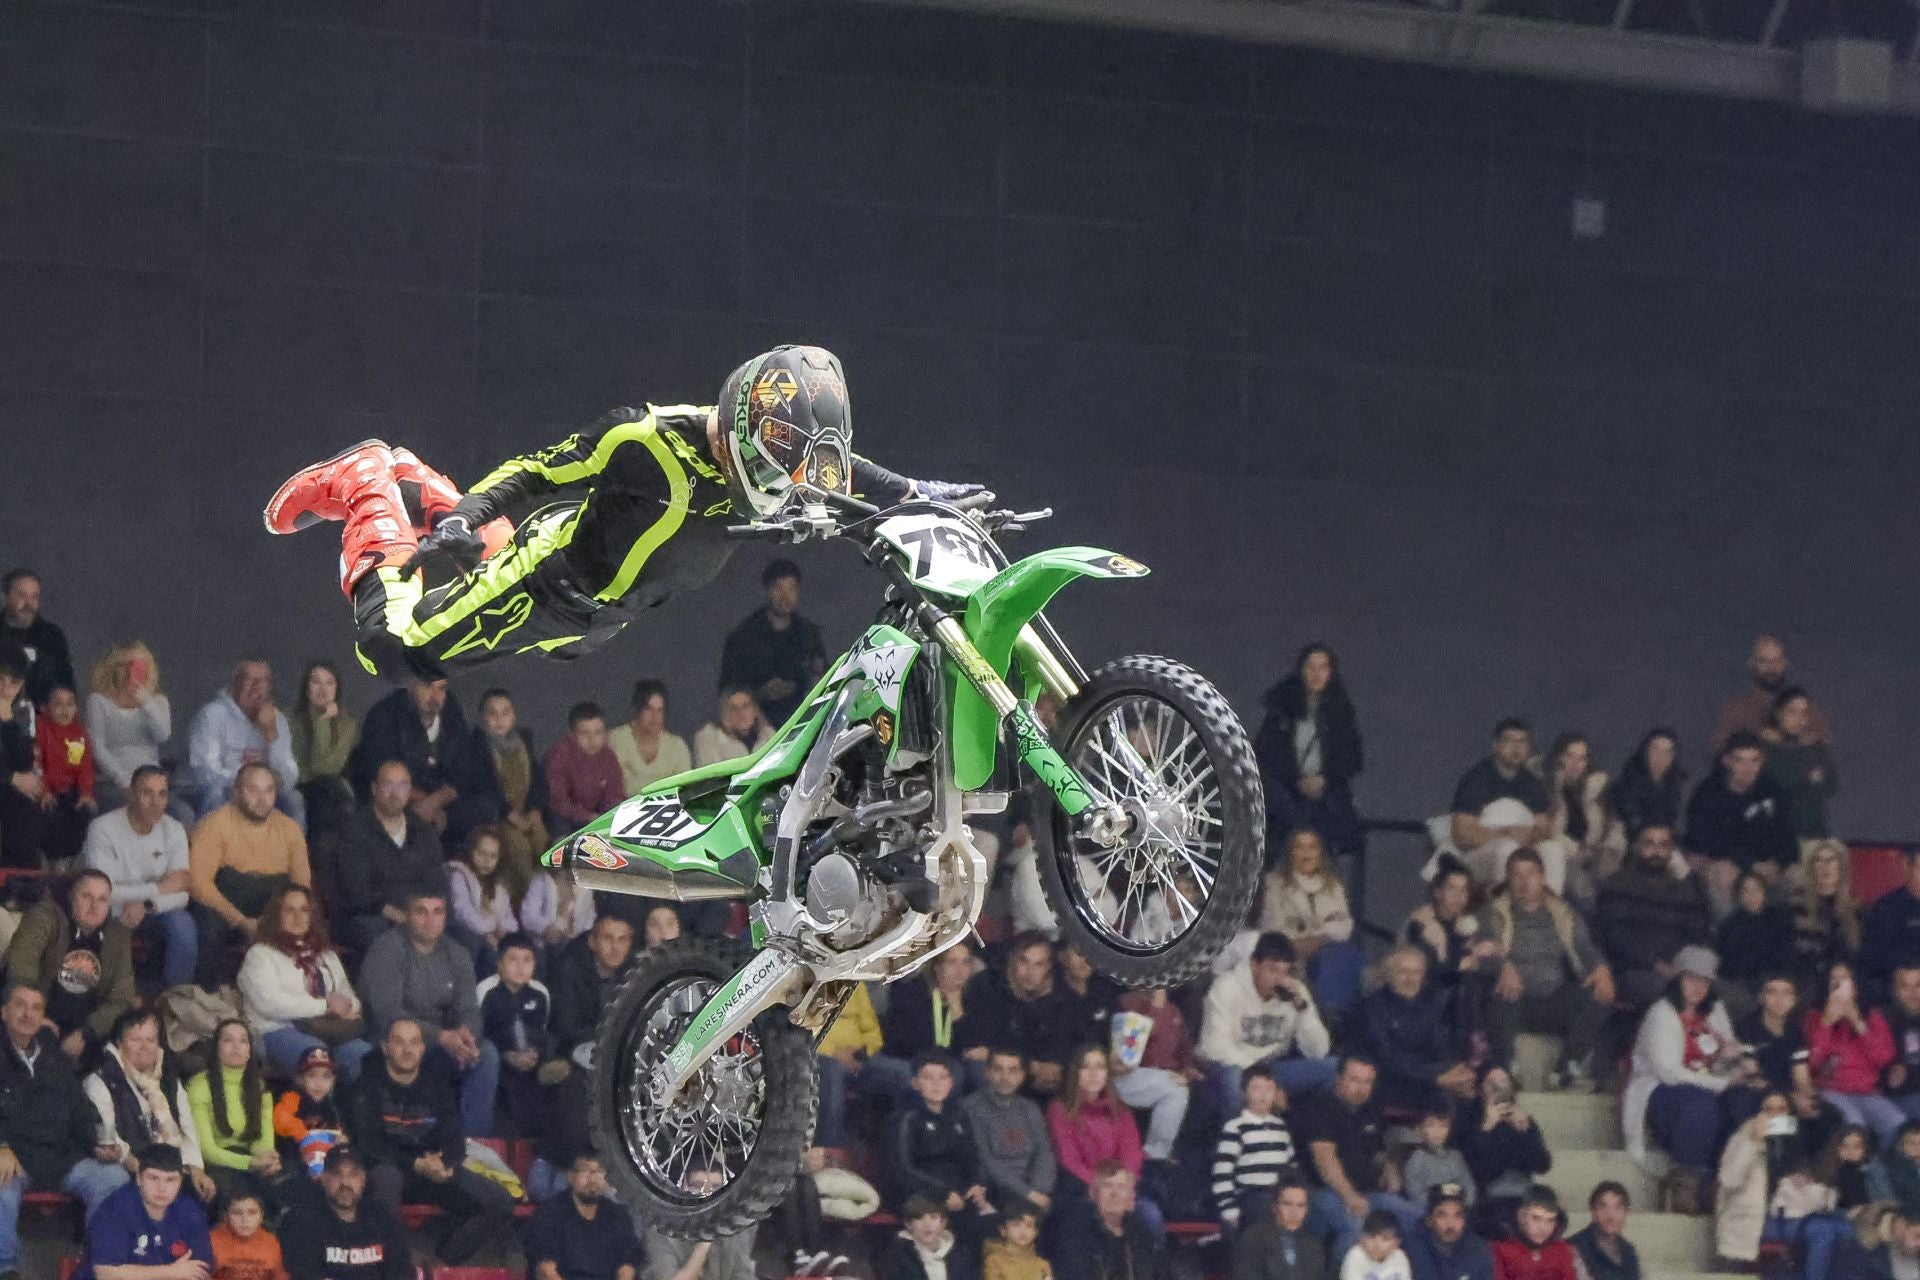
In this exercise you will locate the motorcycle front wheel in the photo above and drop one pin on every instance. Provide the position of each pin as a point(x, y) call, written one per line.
point(1155, 737)
point(715, 1159)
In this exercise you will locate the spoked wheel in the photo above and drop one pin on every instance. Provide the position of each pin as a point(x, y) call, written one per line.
point(1154, 737)
point(716, 1158)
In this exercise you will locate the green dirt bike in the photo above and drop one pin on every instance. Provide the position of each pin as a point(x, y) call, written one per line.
point(847, 831)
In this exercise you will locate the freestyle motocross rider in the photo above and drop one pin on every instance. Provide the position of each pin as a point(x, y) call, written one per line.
point(560, 549)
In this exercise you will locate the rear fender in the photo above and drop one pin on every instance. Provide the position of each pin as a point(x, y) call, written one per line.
point(996, 612)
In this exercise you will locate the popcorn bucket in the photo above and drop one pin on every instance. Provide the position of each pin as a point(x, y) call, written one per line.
point(1130, 1032)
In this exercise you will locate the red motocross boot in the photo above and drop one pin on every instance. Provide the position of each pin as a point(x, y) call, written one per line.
point(312, 495)
point(378, 532)
point(430, 495)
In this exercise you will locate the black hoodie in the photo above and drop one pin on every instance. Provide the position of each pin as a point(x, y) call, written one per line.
point(460, 759)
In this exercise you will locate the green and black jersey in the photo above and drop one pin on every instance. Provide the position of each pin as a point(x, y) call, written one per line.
point(612, 520)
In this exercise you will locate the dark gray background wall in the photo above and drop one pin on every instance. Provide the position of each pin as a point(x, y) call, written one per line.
point(1308, 335)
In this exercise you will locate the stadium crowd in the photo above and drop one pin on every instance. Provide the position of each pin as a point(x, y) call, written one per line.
point(275, 978)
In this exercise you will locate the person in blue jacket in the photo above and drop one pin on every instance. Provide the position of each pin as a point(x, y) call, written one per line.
point(146, 1229)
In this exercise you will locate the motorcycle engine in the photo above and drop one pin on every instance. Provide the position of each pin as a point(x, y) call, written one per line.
point(851, 883)
point(839, 889)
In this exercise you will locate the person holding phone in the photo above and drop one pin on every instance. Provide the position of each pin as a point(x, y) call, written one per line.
point(1503, 1148)
point(1847, 1049)
point(128, 719)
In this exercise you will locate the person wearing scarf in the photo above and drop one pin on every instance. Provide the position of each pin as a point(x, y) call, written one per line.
point(141, 1099)
point(523, 832)
point(291, 976)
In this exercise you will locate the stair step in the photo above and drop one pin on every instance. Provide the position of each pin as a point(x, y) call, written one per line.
point(1576, 1171)
point(1667, 1242)
point(1576, 1121)
point(1536, 1060)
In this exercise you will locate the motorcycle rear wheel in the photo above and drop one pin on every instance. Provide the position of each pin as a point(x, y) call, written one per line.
point(1156, 736)
point(717, 1158)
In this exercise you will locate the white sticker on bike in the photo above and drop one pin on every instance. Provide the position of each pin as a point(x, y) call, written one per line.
point(660, 822)
point(942, 554)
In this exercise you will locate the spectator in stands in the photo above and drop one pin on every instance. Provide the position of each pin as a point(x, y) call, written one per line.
point(1441, 1247)
point(1022, 1007)
point(142, 850)
point(386, 856)
point(1737, 818)
point(343, 1236)
point(233, 1117)
point(516, 1017)
point(128, 718)
point(1259, 1012)
point(1772, 1032)
point(1536, 1251)
point(1343, 1133)
point(1309, 751)
point(80, 958)
point(1504, 1149)
point(1088, 1001)
point(324, 736)
point(21, 818)
point(1435, 1164)
point(581, 1234)
point(1089, 1126)
point(243, 1248)
point(455, 788)
point(147, 1230)
point(1650, 786)
point(1646, 914)
point(64, 756)
point(1826, 921)
point(1461, 960)
point(1407, 1026)
point(775, 652)
point(737, 731)
point(1119, 1240)
point(585, 976)
point(295, 989)
point(583, 774)
point(308, 1120)
point(418, 973)
point(1760, 1170)
point(481, 902)
point(37, 645)
point(646, 751)
point(1377, 1255)
point(555, 911)
point(1683, 1061)
point(1800, 765)
point(848, 1059)
point(238, 857)
point(1848, 1046)
point(1012, 1256)
point(1901, 1080)
point(523, 789)
point(1750, 941)
point(238, 728)
point(1279, 1246)
point(725, 1258)
point(935, 1014)
point(1486, 838)
point(933, 1153)
point(1306, 901)
point(405, 1121)
point(925, 1249)
point(1554, 981)
point(141, 1099)
point(49, 1132)
point(1016, 1158)
point(1255, 1148)
point(1846, 1164)
point(1602, 1244)
point(1890, 935)
point(661, 925)
point(1751, 710)
point(1167, 1069)
point(1579, 817)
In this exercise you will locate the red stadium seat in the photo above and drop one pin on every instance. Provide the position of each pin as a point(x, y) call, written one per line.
point(1877, 868)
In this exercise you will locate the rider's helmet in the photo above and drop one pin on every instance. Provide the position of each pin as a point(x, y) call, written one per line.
point(784, 419)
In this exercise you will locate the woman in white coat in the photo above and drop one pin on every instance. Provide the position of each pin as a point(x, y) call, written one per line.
point(291, 979)
point(1680, 1070)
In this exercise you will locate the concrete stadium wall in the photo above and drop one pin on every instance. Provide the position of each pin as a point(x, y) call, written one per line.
point(1308, 335)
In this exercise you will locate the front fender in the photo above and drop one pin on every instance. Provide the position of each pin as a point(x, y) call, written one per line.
point(996, 613)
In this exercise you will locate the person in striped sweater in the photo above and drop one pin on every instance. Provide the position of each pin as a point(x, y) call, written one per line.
point(1255, 1146)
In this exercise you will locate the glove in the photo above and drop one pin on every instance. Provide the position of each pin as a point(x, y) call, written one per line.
point(961, 495)
point(452, 539)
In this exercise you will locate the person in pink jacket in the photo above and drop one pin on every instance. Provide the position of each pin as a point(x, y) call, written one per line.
point(1089, 1124)
point(1847, 1049)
